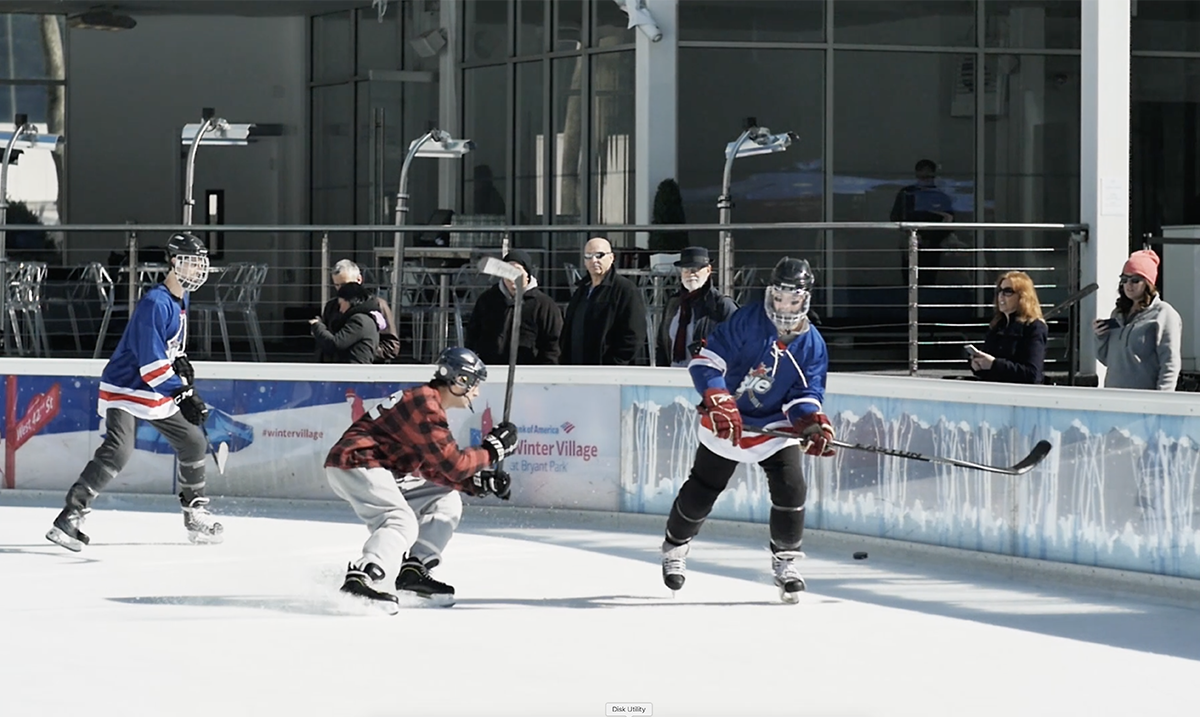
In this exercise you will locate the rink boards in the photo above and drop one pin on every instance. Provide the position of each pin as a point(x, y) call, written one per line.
point(1118, 490)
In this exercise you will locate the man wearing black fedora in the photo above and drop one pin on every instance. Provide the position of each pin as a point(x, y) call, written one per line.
point(692, 314)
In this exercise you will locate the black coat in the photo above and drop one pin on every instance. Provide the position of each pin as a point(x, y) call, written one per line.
point(1020, 351)
point(388, 347)
point(491, 319)
point(711, 308)
point(614, 319)
point(352, 336)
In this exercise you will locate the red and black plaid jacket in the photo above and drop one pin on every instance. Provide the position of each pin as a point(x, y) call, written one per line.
point(408, 434)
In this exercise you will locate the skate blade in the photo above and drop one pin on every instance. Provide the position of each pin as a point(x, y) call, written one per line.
point(203, 539)
point(792, 598)
point(368, 606)
point(422, 600)
point(57, 536)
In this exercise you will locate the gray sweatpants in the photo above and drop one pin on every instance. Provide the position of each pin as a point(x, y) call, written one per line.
point(410, 517)
point(114, 453)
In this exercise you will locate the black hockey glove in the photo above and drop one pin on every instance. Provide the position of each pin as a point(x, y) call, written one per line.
point(190, 405)
point(501, 442)
point(498, 483)
point(183, 369)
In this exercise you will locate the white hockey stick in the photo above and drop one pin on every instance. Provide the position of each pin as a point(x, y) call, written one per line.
point(504, 270)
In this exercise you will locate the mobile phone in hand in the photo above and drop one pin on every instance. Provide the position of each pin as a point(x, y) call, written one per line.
point(971, 350)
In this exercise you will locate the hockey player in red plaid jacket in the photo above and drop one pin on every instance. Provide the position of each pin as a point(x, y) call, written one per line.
point(401, 470)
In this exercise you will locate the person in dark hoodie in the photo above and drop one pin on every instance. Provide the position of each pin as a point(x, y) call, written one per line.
point(489, 329)
point(693, 313)
point(352, 335)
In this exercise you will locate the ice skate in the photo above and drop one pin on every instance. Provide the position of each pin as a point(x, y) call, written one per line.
point(66, 531)
point(787, 575)
point(358, 584)
point(414, 579)
point(202, 526)
point(674, 564)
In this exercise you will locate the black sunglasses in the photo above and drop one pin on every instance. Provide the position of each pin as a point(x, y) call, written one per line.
point(1130, 279)
point(1005, 291)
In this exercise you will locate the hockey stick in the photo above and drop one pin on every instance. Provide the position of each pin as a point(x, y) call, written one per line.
point(495, 267)
point(219, 453)
point(1071, 300)
point(1021, 467)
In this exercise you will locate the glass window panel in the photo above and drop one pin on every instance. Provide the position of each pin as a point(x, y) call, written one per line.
point(31, 47)
point(610, 25)
point(915, 22)
point(1165, 25)
point(1033, 24)
point(485, 107)
point(612, 152)
point(333, 154)
point(930, 116)
point(568, 25)
point(333, 52)
point(531, 150)
point(380, 44)
point(531, 27)
point(486, 31)
point(34, 182)
point(568, 146)
point(752, 20)
point(1031, 139)
point(787, 186)
point(1165, 143)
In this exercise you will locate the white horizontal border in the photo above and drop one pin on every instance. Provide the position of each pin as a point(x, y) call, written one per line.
point(1069, 398)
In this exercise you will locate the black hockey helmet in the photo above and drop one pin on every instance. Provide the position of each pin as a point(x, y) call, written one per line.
point(789, 294)
point(460, 368)
point(189, 258)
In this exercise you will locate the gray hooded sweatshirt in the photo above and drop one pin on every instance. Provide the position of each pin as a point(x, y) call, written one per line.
point(1145, 352)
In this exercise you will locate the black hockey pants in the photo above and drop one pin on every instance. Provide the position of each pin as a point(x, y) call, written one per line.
point(188, 441)
point(710, 475)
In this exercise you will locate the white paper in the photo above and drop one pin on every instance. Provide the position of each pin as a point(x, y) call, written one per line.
point(1114, 196)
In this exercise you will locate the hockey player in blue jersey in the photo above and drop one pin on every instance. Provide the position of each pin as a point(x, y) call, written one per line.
point(764, 367)
point(149, 378)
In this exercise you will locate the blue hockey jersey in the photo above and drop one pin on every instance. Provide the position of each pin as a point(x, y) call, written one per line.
point(140, 376)
point(775, 385)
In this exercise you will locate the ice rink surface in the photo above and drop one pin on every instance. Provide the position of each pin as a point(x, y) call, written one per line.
point(558, 614)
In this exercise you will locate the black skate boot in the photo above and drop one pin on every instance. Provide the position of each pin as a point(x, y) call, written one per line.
point(787, 575)
point(66, 531)
point(414, 579)
point(202, 526)
point(358, 584)
point(674, 564)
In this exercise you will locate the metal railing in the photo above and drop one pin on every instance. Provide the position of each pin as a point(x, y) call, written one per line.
point(886, 301)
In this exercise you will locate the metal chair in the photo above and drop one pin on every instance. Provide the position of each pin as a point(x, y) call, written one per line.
point(238, 287)
point(25, 300)
point(77, 291)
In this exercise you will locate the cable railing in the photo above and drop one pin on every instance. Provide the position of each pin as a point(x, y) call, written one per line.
point(884, 301)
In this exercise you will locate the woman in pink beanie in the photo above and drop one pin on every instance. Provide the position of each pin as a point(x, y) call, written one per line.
point(1139, 344)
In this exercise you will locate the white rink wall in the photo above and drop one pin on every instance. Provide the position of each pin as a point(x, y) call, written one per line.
point(1118, 490)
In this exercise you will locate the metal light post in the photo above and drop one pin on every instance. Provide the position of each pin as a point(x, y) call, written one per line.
point(24, 136)
point(754, 140)
point(212, 130)
point(434, 143)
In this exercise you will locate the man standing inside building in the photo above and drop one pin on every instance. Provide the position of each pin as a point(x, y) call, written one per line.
point(693, 313)
point(605, 323)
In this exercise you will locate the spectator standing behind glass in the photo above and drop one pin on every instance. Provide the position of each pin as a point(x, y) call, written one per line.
point(352, 335)
point(693, 313)
point(1140, 341)
point(490, 326)
point(924, 202)
point(605, 323)
point(1014, 350)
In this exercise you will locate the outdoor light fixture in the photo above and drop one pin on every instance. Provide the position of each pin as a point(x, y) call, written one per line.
point(218, 132)
point(641, 18)
point(753, 141)
point(434, 143)
point(101, 19)
point(23, 137)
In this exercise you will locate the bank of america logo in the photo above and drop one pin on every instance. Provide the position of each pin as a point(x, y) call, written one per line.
point(567, 427)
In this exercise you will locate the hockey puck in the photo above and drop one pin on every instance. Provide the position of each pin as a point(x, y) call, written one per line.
point(860, 555)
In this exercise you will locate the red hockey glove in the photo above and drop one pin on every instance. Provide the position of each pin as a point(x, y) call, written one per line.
point(816, 432)
point(721, 408)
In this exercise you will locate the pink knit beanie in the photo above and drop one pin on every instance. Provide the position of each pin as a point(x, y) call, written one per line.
point(1144, 263)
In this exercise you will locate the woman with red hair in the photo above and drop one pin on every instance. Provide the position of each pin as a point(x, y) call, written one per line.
point(1014, 349)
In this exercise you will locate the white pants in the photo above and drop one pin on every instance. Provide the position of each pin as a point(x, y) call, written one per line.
point(411, 517)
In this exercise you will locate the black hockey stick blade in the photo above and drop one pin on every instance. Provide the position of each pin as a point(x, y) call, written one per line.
point(1071, 300)
point(1023, 466)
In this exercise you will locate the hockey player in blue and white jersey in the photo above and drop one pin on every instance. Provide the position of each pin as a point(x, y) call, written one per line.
point(764, 367)
point(150, 378)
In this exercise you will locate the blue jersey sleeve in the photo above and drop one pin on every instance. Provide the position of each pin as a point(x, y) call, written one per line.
point(709, 366)
point(148, 331)
point(807, 395)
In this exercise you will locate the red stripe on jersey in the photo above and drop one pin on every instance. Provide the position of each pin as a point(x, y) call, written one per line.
point(149, 377)
point(152, 402)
